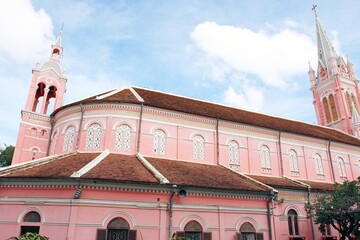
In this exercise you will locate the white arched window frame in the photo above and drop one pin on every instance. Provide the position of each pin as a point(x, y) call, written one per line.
point(69, 139)
point(318, 165)
point(123, 137)
point(265, 159)
point(341, 167)
point(159, 142)
point(198, 147)
point(93, 138)
point(54, 141)
point(293, 162)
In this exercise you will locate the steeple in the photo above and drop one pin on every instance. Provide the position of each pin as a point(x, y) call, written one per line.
point(335, 88)
point(46, 93)
point(326, 50)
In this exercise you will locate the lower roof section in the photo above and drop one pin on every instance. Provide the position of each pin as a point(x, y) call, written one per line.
point(135, 169)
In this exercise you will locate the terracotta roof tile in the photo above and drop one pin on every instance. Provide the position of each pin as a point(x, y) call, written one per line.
point(61, 168)
point(325, 186)
point(121, 168)
point(203, 175)
point(278, 182)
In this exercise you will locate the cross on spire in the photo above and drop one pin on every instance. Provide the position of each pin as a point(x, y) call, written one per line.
point(314, 9)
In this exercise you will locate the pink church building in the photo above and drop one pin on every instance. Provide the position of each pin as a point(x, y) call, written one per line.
point(139, 164)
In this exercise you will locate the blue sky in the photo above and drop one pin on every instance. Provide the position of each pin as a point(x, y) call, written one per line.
point(248, 54)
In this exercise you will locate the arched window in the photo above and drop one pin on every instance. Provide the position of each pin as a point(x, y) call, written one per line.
point(293, 222)
point(353, 98)
point(248, 232)
point(233, 152)
point(53, 143)
point(69, 139)
point(33, 131)
point(333, 108)
point(198, 147)
point(265, 158)
point(39, 95)
point(318, 164)
point(93, 138)
point(327, 111)
point(123, 137)
point(349, 102)
point(43, 132)
point(341, 167)
point(159, 142)
point(194, 231)
point(34, 152)
point(31, 223)
point(293, 161)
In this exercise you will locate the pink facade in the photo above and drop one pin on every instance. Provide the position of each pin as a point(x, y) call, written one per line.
point(135, 163)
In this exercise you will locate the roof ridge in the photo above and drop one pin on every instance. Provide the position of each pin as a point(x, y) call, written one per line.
point(93, 163)
point(119, 89)
point(298, 182)
point(152, 169)
point(249, 178)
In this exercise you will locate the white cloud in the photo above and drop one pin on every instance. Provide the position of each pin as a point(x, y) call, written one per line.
point(25, 32)
point(270, 57)
point(248, 97)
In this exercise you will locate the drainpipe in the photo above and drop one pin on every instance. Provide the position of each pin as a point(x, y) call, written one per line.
point(331, 162)
point(310, 215)
point(139, 130)
point(217, 141)
point(171, 210)
point(51, 131)
point(281, 158)
point(271, 197)
point(80, 127)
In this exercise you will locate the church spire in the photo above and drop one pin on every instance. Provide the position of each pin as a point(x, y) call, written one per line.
point(326, 50)
point(57, 49)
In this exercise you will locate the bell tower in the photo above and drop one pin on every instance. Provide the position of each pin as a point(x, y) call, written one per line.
point(335, 88)
point(46, 93)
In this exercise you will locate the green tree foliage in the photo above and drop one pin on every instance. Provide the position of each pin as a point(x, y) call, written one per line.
point(340, 209)
point(6, 155)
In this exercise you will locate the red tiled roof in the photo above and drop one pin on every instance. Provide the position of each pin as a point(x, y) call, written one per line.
point(203, 175)
point(121, 168)
point(277, 182)
point(60, 168)
point(319, 185)
point(192, 106)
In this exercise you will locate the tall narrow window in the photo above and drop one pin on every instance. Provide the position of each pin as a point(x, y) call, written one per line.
point(69, 139)
point(353, 98)
point(198, 147)
point(53, 143)
point(293, 223)
point(31, 223)
point(333, 108)
point(93, 137)
point(293, 161)
point(326, 110)
point(318, 165)
point(265, 159)
point(234, 152)
point(349, 102)
point(123, 137)
point(341, 167)
point(159, 142)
